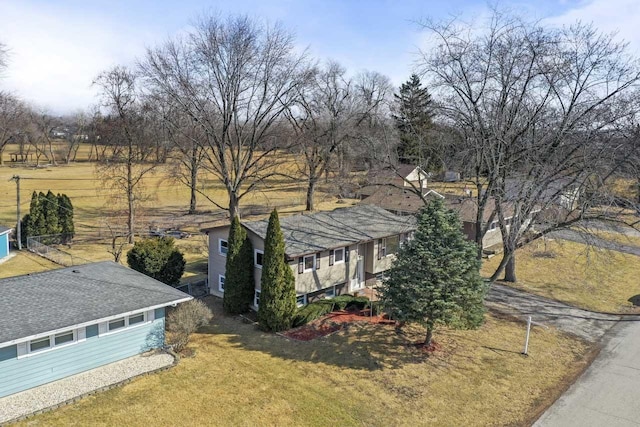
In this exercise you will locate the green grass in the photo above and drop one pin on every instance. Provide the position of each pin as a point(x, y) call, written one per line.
point(366, 375)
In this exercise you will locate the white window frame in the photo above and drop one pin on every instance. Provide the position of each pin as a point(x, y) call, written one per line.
point(383, 248)
point(335, 251)
point(255, 258)
point(52, 343)
point(331, 289)
point(256, 297)
point(304, 263)
point(304, 300)
point(493, 225)
point(221, 282)
point(103, 328)
point(220, 247)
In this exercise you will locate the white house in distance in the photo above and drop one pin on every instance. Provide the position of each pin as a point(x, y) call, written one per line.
point(330, 253)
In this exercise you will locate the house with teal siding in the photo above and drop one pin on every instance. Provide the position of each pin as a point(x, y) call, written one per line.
point(62, 322)
point(4, 242)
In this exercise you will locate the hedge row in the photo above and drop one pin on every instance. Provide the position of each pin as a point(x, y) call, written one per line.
point(319, 308)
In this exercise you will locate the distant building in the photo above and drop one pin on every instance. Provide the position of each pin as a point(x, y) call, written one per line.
point(403, 175)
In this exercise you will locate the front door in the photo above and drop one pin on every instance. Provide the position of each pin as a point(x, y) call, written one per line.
point(358, 282)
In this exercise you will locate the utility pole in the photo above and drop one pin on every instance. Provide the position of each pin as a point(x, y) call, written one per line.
point(16, 178)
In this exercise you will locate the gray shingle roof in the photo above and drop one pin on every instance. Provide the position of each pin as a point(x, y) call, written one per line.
point(304, 234)
point(4, 229)
point(43, 302)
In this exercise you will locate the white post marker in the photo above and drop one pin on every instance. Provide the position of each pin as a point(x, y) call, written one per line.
point(526, 341)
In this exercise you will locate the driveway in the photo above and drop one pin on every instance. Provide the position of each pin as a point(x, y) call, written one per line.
point(585, 324)
point(589, 239)
point(608, 393)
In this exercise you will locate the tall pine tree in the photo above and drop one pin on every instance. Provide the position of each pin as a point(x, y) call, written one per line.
point(238, 281)
point(65, 217)
point(278, 294)
point(435, 278)
point(50, 209)
point(413, 120)
point(37, 224)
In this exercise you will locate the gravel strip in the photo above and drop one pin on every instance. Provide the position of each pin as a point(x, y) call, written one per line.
point(57, 392)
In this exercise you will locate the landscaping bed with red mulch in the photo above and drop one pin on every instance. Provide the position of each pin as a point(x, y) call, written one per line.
point(333, 322)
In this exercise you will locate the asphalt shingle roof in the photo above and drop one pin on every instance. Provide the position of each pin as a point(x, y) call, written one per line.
point(43, 302)
point(4, 229)
point(304, 234)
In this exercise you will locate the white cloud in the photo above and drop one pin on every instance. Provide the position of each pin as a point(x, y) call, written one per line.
point(620, 16)
point(55, 54)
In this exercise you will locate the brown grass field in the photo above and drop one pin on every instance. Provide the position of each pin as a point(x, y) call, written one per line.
point(366, 375)
point(577, 274)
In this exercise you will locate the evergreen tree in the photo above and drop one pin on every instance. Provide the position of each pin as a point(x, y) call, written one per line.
point(49, 203)
point(435, 278)
point(157, 258)
point(65, 217)
point(278, 294)
point(414, 119)
point(37, 225)
point(238, 282)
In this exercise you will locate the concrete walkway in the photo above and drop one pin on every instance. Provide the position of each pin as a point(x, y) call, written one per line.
point(608, 393)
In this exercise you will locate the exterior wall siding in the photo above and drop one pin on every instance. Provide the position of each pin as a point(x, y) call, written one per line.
point(21, 374)
point(217, 262)
point(4, 245)
point(326, 275)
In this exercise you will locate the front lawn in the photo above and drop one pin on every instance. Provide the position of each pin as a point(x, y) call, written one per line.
point(364, 375)
point(575, 273)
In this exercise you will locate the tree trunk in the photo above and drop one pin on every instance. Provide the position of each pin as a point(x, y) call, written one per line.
point(130, 200)
point(234, 208)
point(1, 155)
point(194, 182)
point(427, 340)
point(311, 189)
point(510, 270)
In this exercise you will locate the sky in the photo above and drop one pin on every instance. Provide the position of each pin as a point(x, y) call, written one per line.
point(58, 47)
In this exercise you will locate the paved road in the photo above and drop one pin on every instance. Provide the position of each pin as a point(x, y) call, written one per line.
point(608, 393)
point(586, 238)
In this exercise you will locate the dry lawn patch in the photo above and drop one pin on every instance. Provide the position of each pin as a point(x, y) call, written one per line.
point(364, 375)
point(24, 263)
point(578, 274)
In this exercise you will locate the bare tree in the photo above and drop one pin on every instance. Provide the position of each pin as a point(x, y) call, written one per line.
point(535, 107)
point(4, 57)
point(13, 117)
point(234, 78)
point(330, 116)
point(125, 128)
point(39, 133)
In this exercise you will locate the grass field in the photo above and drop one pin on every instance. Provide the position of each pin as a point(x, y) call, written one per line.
point(575, 273)
point(367, 375)
point(165, 205)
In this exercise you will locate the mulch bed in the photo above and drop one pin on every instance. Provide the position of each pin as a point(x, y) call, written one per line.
point(333, 322)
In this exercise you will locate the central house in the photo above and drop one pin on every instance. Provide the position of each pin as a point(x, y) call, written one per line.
point(331, 253)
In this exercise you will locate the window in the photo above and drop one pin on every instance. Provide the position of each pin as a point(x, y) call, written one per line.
point(221, 283)
point(40, 344)
point(391, 245)
point(63, 338)
point(117, 324)
point(123, 323)
point(256, 298)
point(493, 226)
point(309, 263)
point(135, 319)
point(257, 257)
point(301, 300)
point(330, 293)
point(223, 247)
point(338, 256)
point(50, 342)
point(382, 248)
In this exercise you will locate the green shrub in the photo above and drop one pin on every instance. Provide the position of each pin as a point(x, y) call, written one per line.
point(311, 312)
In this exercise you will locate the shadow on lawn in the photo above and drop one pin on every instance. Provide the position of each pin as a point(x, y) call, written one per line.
point(358, 346)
